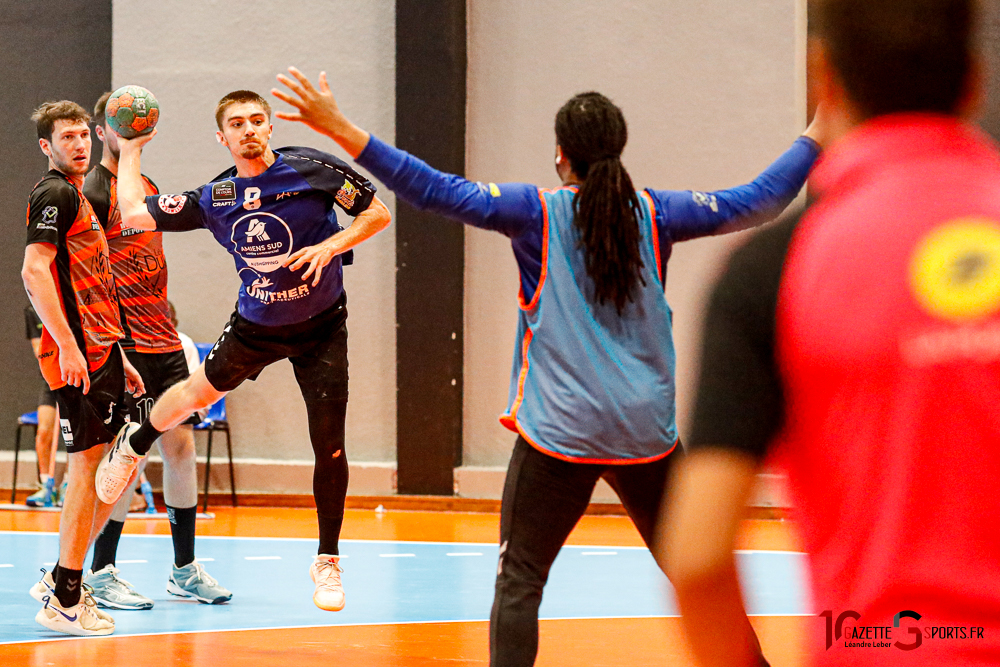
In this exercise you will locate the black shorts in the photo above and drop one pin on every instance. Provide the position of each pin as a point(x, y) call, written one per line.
point(317, 349)
point(160, 371)
point(46, 396)
point(95, 418)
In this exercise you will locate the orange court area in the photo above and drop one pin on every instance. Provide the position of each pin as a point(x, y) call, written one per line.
point(597, 642)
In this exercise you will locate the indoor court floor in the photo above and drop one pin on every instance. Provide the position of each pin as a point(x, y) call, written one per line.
point(419, 587)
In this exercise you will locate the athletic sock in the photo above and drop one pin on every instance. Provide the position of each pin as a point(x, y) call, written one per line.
point(106, 545)
point(182, 520)
point(67, 586)
point(329, 534)
point(142, 440)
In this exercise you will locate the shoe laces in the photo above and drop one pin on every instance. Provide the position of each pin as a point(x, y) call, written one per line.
point(113, 573)
point(327, 572)
point(199, 575)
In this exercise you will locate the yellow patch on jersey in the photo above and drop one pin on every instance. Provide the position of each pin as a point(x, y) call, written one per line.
point(955, 270)
point(494, 190)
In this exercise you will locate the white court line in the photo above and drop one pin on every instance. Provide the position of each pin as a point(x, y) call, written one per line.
point(6, 565)
point(133, 561)
point(49, 564)
point(206, 560)
point(397, 555)
point(262, 558)
point(599, 553)
point(470, 553)
point(376, 624)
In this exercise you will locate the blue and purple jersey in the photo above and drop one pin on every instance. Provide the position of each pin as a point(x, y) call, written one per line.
point(262, 220)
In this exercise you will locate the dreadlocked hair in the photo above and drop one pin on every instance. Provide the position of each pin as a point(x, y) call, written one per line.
point(592, 133)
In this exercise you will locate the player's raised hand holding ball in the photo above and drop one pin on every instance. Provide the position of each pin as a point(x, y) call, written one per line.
point(132, 111)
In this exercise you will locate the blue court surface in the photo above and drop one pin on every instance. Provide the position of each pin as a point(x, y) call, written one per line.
point(385, 582)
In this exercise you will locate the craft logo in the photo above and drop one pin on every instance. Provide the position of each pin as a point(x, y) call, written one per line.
point(224, 193)
point(171, 203)
point(262, 240)
point(347, 194)
point(905, 637)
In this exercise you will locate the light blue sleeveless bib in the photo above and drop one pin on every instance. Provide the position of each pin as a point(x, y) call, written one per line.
point(588, 385)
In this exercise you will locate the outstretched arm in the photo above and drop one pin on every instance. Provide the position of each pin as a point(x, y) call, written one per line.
point(510, 209)
point(684, 215)
point(131, 190)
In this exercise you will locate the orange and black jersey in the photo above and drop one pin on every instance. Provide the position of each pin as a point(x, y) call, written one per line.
point(139, 267)
point(59, 215)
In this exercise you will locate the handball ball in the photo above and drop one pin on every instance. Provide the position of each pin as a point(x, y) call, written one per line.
point(131, 111)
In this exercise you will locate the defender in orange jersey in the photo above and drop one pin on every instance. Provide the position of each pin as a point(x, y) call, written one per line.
point(152, 345)
point(68, 278)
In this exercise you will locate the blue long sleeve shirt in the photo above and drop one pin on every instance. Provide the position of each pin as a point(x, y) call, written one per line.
point(515, 209)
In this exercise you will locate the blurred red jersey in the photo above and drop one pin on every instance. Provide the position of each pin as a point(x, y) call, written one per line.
point(888, 345)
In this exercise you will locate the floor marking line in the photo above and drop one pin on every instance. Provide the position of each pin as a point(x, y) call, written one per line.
point(475, 544)
point(6, 565)
point(133, 561)
point(356, 625)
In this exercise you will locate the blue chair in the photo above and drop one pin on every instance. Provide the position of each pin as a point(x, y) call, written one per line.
point(214, 421)
point(27, 419)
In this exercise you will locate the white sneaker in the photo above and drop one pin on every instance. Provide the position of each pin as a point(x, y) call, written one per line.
point(46, 587)
point(325, 573)
point(118, 466)
point(81, 620)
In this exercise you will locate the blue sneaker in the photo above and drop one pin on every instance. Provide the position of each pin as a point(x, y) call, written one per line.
point(112, 591)
point(191, 581)
point(45, 496)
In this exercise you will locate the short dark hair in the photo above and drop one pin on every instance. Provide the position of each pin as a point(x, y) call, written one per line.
point(899, 55)
point(239, 97)
point(47, 114)
point(99, 106)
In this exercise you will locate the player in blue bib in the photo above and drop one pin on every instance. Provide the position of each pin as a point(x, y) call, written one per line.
point(592, 387)
point(275, 212)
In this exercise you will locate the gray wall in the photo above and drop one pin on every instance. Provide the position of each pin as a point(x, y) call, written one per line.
point(712, 91)
point(52, 50)
point(190, 55)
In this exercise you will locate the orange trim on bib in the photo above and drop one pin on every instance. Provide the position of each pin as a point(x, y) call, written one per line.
point(509, 420)
point(611, 462)
point(545, 257)
point(655, 235)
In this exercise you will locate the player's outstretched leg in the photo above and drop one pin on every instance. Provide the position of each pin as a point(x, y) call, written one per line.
point(116, 470)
